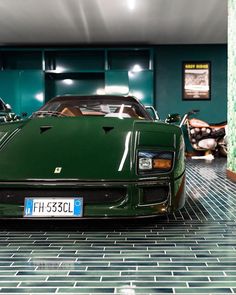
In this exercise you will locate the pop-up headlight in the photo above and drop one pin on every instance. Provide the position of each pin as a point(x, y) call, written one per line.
point(145, 164)
point(152, 161)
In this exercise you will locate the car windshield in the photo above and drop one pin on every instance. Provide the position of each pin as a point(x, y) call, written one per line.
point(106, 106)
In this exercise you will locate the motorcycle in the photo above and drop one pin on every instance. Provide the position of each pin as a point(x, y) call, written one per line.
point(209, 138)
point(6, 114)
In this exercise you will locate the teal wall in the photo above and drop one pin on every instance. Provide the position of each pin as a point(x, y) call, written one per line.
point(22, 89)
point(82, 83)
point(31, 76)
point(168, 80)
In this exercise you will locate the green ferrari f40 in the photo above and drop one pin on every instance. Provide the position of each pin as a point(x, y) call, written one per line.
point(93, 156)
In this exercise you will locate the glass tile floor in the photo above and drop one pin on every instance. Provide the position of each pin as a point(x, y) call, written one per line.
point(190, 252)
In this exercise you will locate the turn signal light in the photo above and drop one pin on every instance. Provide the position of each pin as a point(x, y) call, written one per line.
point(162, 164)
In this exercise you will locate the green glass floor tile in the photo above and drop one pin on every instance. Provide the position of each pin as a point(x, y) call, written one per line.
point(170, 255)
point(143, 260)
point(89, 256)
point(134, 263)
point(225, 284)
point(7, 254)
point(85, 290)
point(41, 256)
point(213, 268)
point(183, 263)
point(204, 272)
point(38, 247)
point(8, 284)
point(5, 264)
point(7, 272)
point(183, 278)
point(230, 273)
point(147, 290)
point(111, 268)
point(22, 267)
point(128, 278)
point(155, 272)
point(227, 259)
point(221, 263)
point(203, 290)
point(130, 255)
point(23, 278)
point(42, 272)
point(95, 272)
point(163, 268)
point(50, 267)
point(223, 279)
point(47, 284)
point(99, 284)
point(159, 284)
point(75, 278)
point(27, 290)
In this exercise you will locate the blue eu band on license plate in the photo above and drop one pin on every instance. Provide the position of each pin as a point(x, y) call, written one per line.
point(53, 207)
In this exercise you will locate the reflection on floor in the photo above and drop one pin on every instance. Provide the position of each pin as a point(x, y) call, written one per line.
point(192, 251)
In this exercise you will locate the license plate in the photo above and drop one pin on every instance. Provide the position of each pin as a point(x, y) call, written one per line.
point(53, 207)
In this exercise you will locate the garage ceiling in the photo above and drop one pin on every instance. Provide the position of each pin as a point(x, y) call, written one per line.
point(83, 22)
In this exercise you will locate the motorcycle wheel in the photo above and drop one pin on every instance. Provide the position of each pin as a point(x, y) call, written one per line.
point(223, 148)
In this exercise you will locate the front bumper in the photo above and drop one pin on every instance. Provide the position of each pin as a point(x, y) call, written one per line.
point(101, 199)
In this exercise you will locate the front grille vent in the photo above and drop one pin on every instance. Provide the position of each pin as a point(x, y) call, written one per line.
point(89, 195)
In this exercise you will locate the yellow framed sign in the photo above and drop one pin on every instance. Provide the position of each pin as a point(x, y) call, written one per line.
point(196, 80)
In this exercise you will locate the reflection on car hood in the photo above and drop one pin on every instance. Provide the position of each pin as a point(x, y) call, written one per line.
point(84, 148)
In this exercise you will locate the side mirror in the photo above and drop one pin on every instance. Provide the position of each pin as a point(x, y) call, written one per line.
point(8, 107)
point(152, 112)
point(173, 118)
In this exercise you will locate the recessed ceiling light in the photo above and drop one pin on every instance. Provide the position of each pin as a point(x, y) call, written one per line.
point(117, 89)
point(59, 70)
point(131, 4)
point(101, 91)
point(136, 68)
point(137, 94)
point(68, 81)
point(39, 97)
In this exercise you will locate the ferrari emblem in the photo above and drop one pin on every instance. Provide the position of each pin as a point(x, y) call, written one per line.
point(58, 170)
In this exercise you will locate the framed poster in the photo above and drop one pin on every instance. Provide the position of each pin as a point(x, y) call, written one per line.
point(196, 80)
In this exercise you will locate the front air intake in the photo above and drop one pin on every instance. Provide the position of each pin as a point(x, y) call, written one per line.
point(154, 195)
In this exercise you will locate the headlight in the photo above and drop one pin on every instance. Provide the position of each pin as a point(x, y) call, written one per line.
point(152, 161)
point(145, 164)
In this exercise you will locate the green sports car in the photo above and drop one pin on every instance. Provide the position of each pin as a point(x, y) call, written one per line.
point(90, 157)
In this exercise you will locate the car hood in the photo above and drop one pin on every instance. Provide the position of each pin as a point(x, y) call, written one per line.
point(84, 148)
